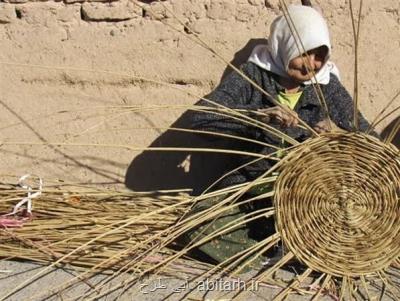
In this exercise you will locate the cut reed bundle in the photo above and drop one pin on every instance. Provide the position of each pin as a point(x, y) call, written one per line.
point(64, 220)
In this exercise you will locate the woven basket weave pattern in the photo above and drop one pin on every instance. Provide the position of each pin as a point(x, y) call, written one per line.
point(337, 204)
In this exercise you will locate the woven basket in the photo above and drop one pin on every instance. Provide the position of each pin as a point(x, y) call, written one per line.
point(338, 204)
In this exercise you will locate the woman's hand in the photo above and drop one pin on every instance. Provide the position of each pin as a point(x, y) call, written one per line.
point(280, 116)
point(323, 127)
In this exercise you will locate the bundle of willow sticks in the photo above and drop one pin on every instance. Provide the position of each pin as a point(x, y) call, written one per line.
point(100, 223)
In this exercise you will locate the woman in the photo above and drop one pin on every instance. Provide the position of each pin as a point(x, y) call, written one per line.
point(288, 74)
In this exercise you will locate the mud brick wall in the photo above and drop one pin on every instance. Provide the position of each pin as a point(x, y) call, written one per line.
point(123, 10)
point(66, 61)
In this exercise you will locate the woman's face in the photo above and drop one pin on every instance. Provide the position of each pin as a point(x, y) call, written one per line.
point(303, 67)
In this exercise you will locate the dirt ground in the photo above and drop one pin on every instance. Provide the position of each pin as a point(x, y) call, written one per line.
point(91, 72)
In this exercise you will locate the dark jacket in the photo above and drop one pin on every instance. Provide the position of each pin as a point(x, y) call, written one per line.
point(237, 93)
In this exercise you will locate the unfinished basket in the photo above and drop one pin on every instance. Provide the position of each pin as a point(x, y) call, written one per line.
point(337, 204)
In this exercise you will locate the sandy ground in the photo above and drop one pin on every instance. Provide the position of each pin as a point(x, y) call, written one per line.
point(81, 74)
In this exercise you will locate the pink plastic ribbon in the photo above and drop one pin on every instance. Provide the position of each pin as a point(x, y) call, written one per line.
point(10, 223)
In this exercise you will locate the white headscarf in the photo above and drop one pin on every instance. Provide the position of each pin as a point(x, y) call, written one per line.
point(281, 48)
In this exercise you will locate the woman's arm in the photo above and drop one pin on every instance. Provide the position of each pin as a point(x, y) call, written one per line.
point(341, 107)
point(234, 92)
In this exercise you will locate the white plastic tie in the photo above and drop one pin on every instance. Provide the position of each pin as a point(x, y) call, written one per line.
point(31, 195)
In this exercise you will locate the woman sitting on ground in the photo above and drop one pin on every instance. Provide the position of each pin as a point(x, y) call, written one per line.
point(289, 76)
